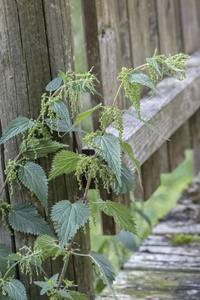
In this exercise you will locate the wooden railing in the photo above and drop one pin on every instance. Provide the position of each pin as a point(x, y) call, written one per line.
point(124, 33)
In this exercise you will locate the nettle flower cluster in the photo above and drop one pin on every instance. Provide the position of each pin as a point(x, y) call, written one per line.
point(59, 108)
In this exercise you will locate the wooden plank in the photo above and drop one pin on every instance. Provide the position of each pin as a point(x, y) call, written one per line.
point(153, 285)
point(167, 27)
point(39, 43)
point(176, 148)
point(151, 174)
point(102, 40)
point(190, 25)
point(167, 111)
point(194, 128)
point(143, 30)
point(164, 158)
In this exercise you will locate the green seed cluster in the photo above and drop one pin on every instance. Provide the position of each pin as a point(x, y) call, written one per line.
point(111, 115)
point(97, 169)
point(174, 65)
point(27, 259)
point(132, 90)
point(5, 208)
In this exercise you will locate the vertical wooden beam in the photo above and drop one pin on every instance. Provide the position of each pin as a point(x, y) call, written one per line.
point(164, 159)
point(190, 25)
point(195, 134)
point(151, 174)
point(167, 27)
point(176, 148)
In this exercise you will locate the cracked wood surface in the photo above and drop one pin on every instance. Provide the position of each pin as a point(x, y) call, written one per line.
point(158, 270)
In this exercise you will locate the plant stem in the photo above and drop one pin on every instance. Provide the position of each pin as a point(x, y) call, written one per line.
point(62, 275)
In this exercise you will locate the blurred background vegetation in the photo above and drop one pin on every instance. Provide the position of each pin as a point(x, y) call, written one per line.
point(147, 214)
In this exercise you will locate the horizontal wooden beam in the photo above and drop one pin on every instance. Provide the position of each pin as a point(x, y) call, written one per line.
point(173, 105)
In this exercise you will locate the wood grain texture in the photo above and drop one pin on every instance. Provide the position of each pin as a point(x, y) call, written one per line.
point(103, 48)
point(159, 270)
point(190, 25)
point(176, 148)
point(36, 41)
point(143, 34)
point(151, 174)
point(161, 112)
point(167, 27)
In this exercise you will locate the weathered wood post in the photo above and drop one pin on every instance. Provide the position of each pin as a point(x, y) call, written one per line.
point(36, 41)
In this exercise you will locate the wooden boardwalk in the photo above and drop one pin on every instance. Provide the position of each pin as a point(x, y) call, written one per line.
point(160, 271)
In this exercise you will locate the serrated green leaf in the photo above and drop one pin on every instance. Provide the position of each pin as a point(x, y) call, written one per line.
point(43, 148)
point(128, 112)
point(16, 126)
point(54, 84)
point(122, 216)
point(78, 296)
point(34, 178)
point(153, 62)
point(105, 267)
point(25, 218)
point(126, 148)
point(47, 246)
point(68, 218)
point(84, 115)
point(61, 126)
point(61, 110)
point(138, 77)
point(64, 162)
point(47, 285)
point(108, 147)
point(128, 181)
point(15, 290)
point(5, 251)
point(64, 294)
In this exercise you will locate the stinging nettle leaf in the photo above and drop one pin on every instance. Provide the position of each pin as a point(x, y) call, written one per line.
point(61, 110)
point(64, 162)
point(122, 216)
point(15, 290)
point(47, 246)
point(34, 178)
point(126, 148)
point(68, 218)
point(25, 218)
point(153, 62)
point(108, 147)
point(16, 126)
point(84, 115)
point(128, 181)
point(138, 77)
point(43, 148)
point(105, 267)
point(54, 84)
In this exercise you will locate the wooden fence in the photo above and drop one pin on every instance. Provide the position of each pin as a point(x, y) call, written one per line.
point(37, 40)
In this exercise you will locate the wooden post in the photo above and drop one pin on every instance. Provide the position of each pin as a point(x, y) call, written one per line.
point(36, 41)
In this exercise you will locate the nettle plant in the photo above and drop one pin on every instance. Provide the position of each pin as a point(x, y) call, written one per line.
point(104, 166)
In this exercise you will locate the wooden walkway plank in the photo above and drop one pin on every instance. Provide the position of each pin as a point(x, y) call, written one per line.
point(158, 270)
